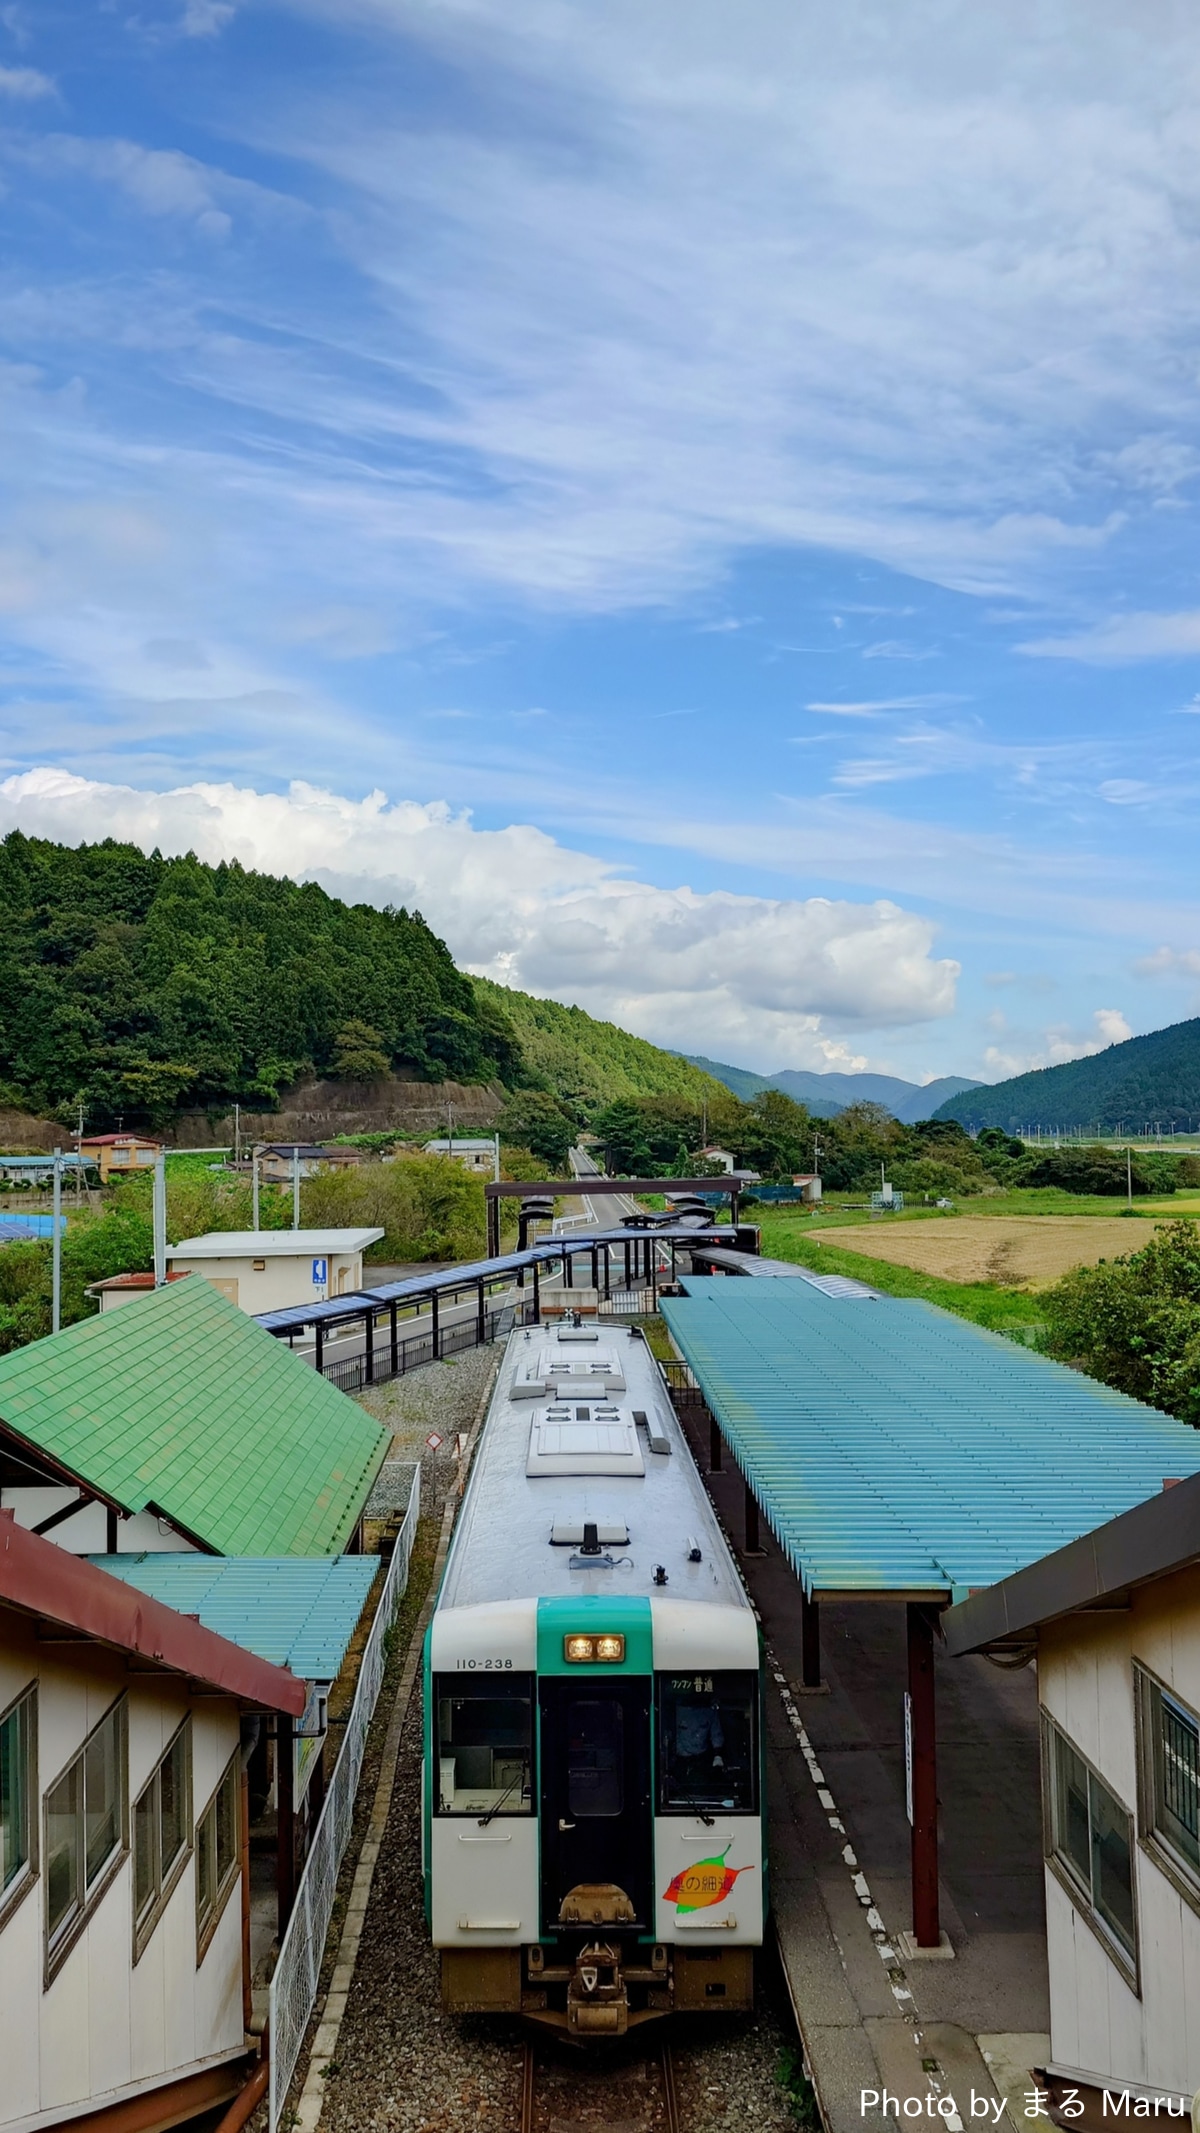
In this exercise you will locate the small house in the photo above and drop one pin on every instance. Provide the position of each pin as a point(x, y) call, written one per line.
point(117, 1154)
point(278, 1161)
point(272, 1269)
point(810, 1186)
point(477, 1156)
point(1112, 1624)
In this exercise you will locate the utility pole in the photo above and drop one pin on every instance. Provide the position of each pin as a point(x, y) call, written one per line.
point(450, 1130)
point(56, 1251)
point(237, 1133)
point(254, 1193)
point(1128, 1175)
point(79, 1152)
point(295, 1188)
point(496, 1161)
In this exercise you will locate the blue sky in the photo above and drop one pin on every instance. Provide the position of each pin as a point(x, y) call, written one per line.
point(701, 501)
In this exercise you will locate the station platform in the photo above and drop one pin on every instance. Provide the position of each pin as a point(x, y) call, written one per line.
point(974, 2022)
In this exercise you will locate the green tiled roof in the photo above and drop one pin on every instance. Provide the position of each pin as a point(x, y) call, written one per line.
point(181, 1401)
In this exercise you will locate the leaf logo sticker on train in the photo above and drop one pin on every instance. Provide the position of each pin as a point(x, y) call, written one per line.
point(705, 1883)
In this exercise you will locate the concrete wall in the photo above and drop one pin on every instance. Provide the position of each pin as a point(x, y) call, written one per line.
point(103, 2028)
point(284, 1279)
point(1099, 2024)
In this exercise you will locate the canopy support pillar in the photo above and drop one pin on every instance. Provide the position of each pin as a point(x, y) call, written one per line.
point(810, 1642)
point(926, 1920)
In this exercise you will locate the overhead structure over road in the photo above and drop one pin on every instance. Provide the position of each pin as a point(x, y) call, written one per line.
point(589, 1185)
point(895, 1450)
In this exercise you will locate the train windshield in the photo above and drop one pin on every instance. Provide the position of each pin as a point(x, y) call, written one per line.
point(485, 1745)
point(707, 1743)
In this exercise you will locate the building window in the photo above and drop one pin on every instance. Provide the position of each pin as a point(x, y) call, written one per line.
point(162, 1818)
point(1169, 1743)
point(218, 1853)
point(85, 1832)
point(17, 1779)
point(1090, 1840)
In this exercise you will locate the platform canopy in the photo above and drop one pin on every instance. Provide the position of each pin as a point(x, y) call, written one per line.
point(296, 1611)
point(894, 1448)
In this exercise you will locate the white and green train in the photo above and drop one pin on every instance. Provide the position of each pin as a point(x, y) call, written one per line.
point(593, 1790)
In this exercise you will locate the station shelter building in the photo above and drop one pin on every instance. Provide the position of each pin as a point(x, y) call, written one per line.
point(271, 1269)
point(124, 1986)
point(1112, 1626)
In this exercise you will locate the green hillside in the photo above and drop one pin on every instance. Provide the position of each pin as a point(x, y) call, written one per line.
point(590, 1062)
point(1144, 1082)
point(145, 985)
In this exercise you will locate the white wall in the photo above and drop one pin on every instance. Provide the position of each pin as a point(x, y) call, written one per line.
point(87, 1532)
point(1098, 2024)
point(285, 1279)
point(103, 2028)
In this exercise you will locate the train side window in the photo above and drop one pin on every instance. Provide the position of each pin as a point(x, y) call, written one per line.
point(485, 1745)
point(707, 1743)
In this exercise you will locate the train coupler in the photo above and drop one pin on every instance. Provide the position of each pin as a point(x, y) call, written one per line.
point(597, 1997)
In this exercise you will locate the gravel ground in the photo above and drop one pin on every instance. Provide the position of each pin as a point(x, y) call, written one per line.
point(404, 2066)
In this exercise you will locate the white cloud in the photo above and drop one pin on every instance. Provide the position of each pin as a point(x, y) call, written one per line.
point(1058, 1045)
point(730, 975)
point(207, 18)
point(1124, 637)
point(1169, 963)
point(25, 83)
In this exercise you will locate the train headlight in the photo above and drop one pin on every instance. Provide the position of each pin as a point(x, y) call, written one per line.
point(606, 1650)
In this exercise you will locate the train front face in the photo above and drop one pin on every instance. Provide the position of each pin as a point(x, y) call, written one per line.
point(594, 1817)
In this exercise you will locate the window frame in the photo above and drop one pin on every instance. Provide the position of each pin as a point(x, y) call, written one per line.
point(483, 1688)
point(208, 1921)
point(23, 1880)
point(91, 1894)
point(146, 1921)
point(1066, 1871)
point(1152, 1839)
point(664, 1690)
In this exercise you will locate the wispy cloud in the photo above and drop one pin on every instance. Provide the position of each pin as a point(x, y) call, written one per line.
point(1122, 638)
point(25, 84)
point(874, 707)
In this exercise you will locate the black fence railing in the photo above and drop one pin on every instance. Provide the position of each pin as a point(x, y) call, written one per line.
point(681, 1385)
point(351, 1374)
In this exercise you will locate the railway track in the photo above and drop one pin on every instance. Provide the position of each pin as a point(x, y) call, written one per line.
point(632, 2094)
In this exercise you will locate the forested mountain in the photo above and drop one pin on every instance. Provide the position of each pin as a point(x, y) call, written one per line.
point(1144, 1082)
point(589, 1062)
point(824, 1095)
point(144, 985)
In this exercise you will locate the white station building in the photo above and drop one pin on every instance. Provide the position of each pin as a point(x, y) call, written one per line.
point(270, 1269)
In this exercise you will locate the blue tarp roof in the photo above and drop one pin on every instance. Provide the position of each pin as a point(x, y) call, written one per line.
point(297, 1611)
point(895, 1448)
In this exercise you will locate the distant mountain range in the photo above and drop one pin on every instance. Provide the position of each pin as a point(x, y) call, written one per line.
point(827, 1094)
point(1142, 1083)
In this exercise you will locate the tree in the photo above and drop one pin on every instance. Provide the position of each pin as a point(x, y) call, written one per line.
point(1134, 1322)
point(358, 1053)
point(531, 1119)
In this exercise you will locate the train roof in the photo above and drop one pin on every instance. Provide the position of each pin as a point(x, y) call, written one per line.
point(581, 1432)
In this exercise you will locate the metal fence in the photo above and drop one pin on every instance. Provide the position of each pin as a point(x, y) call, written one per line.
point(294, 1985)
point(418, 1348)
point(681, 1384)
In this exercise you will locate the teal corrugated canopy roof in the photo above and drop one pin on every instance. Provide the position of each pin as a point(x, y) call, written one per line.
point(895, 1448)
point(297, 1611)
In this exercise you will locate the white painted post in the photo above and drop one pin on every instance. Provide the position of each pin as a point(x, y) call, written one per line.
point(295, 1188)
point(56, 1252)
point(160, 1220)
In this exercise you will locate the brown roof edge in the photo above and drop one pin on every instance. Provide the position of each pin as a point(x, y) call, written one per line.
point(1150, 1541)
point(47, 1581)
